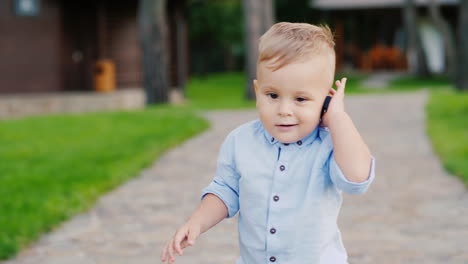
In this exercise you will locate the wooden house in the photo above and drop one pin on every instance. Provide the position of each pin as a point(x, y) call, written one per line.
point(56, 45)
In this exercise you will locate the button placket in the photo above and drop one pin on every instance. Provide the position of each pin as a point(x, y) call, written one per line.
point(273, 227)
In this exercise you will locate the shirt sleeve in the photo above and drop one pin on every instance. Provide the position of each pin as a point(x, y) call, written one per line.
point(344, 184)
point(225, 184)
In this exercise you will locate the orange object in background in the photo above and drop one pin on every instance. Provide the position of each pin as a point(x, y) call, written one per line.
point(104, 76)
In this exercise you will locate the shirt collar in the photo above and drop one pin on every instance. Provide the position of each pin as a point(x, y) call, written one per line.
point(318, 132)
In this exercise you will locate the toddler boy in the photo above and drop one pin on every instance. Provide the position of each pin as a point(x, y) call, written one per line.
point(285, 173)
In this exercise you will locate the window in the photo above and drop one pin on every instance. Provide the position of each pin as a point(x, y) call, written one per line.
point(27, 7)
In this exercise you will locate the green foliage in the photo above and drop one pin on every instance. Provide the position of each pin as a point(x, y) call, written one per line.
point(54, 167)
point(219, 21)
point(447, 126)
point(296, 11)
point(216, 30)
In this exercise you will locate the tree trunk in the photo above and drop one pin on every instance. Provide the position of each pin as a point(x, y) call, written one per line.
point(182, 44)
point(258, 16)
point(415, 53)
point(153, 37)
point(462, 72)
point(449, 39)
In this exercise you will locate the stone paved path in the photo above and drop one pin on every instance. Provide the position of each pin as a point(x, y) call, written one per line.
point(413, 213)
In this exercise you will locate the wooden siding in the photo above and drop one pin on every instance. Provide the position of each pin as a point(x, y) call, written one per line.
point(57, 50)
point(122, 42)
point(30, 61)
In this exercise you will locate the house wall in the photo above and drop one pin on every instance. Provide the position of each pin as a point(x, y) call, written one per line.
point(122, 42)
point(30, 61)
point(57, 50)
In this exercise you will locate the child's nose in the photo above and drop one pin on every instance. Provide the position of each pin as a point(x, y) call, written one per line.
point(284, 108)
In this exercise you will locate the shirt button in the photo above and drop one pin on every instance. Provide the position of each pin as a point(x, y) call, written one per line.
point(272, 259)
point(299, 142)
point(282, 168)
point(273, 230)
point(276, 198)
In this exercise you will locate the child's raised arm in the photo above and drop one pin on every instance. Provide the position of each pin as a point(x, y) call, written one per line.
point(351, 152)
point(210, 212)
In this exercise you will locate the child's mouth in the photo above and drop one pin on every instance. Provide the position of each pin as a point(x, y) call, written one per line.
point(286, 127)
point(291, 125)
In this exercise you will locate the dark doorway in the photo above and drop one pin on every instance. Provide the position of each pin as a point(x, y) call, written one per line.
point(80, 44)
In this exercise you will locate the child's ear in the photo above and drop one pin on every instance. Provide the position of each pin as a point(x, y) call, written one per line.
point(255, 85)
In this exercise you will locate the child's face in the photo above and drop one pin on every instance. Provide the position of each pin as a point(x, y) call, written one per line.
point(289, 100)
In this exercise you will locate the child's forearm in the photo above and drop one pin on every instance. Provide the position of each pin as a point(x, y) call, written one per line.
point(211, 211)
point(350, 151)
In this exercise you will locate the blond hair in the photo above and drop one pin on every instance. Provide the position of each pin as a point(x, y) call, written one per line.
point(285, 43)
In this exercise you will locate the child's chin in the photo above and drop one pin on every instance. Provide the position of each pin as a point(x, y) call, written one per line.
point(287, 139)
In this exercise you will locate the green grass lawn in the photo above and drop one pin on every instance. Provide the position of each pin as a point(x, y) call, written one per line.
point(413, 83)
point(447, 126)
point(218, 91)
point(54, 167)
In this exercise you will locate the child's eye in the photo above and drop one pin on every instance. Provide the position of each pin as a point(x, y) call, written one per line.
point(273, 95)
point(300, 99)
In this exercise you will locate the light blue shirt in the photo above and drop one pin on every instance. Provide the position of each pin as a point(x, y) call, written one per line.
point(288, 196)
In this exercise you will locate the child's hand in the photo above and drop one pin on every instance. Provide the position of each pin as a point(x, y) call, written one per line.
point(185, 236)
point(337, 103)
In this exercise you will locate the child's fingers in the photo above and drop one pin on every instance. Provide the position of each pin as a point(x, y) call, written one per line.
point(164, 255)
point(341, 84)
point(184, 244)
point(177, 241)
point(192, 236)
point(337, 83)
point(171, 251)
